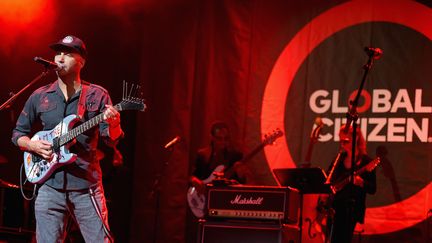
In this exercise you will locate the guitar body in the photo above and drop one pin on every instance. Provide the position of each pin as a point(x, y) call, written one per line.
point(314, 220)
point(196, 200)
point(38, 169)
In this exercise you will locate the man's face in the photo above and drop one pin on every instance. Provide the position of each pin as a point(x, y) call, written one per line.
point(221, 139)
point(71, 62)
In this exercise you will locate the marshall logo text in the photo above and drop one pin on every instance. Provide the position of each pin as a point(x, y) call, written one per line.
point(243, 200)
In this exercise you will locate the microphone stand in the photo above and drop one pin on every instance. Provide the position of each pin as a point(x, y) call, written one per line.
point(13, 97)
point(352, 116)
point(155, 193)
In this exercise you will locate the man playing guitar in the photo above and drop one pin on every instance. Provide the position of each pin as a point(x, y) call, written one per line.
point(220, 160)
point(219, 152)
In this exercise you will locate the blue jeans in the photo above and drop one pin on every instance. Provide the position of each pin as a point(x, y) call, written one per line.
point(53, 208)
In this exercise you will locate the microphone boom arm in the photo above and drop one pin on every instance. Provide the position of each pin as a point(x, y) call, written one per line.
point(352, 114)
point(8, 102)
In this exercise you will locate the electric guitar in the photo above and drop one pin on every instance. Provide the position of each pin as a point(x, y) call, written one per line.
point(342, 182)
point(196, 200)
point(62, 136)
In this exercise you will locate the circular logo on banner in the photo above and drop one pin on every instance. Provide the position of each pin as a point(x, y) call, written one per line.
point(406, 13)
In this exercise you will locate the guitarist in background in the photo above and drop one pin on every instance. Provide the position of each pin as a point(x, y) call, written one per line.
point(219, 152)
point(73, 190)
point(349, 203)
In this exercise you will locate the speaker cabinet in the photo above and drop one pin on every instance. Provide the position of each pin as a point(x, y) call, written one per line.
point(250, 232)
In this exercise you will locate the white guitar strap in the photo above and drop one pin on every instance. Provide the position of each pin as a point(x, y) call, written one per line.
point(82, 100)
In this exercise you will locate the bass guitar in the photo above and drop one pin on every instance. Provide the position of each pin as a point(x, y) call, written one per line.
point(37, 169)
point(197, 200)
point(311, 216)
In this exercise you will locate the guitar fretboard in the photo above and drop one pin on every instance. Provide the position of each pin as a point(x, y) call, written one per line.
point(72, 134)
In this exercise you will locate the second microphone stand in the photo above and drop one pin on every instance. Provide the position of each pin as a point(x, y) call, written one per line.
point(155, 192)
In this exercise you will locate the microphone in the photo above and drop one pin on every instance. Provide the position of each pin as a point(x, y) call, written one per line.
point(374, 52)
point(48, 64)
point(172, 142)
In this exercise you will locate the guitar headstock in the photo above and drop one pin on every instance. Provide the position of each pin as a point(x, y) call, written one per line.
point(373, 164)
point(271, 137)
point(130, 101)
point(318, 125)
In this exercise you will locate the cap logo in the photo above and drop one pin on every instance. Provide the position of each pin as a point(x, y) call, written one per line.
point(68, 39)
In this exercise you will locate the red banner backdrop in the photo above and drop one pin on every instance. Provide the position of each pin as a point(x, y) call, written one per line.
point(263, 65)
point(381, 128)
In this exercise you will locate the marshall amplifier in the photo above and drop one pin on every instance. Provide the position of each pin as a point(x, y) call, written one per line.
point(229, 232)
point(253, 202)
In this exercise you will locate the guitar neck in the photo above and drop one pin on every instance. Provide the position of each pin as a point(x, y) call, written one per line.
point(268, 140)
point(313, 139)
point(72, 134)
point(230, 171)
point(253, 152)
point(340, 184)
point(361, 170)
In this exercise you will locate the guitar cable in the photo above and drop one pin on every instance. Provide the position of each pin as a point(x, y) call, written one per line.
point(32, 168)
point(22, 184)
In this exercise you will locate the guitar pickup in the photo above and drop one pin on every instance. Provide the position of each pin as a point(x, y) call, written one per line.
point(56, 145)
point(36, 158)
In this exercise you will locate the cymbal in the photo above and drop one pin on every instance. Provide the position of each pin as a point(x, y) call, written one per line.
point(3, 160)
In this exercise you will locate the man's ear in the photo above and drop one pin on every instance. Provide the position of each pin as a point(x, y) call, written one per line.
point(82, 61)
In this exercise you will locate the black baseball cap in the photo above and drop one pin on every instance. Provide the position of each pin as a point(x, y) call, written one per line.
point(72, 44)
